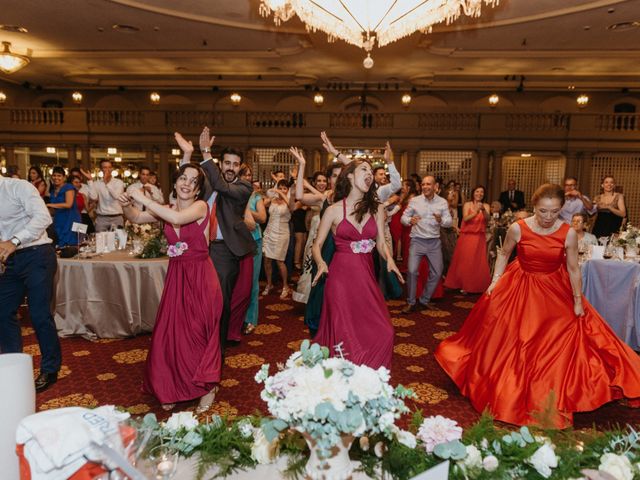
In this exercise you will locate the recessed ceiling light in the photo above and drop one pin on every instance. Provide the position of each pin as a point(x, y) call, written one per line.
point(125, 28)
point(623, 26)
point(14, 29)
point(558, 69)
point(587, 27)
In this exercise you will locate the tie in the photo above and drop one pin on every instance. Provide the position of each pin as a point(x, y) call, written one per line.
point(511, 195)
point(213, 223)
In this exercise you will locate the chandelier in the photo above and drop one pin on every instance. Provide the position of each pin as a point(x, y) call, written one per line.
point(364, 23)
point(11, 62)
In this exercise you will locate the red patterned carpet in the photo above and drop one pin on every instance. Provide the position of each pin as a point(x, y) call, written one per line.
point(110, 371)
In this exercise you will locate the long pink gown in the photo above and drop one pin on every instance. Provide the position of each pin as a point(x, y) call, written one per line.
point(184, 361)
point(469, 268)
point(354, 312)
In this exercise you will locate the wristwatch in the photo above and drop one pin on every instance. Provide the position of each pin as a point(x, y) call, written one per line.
point(206, 150)
point(16, 241)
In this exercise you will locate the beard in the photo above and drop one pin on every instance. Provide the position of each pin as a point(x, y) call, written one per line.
point(229, 175)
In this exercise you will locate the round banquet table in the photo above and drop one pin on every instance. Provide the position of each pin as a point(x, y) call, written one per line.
point(113, 295)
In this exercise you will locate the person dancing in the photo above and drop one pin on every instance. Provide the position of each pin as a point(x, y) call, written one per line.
point(532, 339)
point(184, 360)
point(469, 270)
point(357, 222)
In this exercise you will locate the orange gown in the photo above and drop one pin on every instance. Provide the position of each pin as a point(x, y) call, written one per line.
point(524, 341)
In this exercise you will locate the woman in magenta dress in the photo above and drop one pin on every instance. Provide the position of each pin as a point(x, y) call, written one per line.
point(533, 341)
point(354, 313)
point(469, 269)
point(184, 361)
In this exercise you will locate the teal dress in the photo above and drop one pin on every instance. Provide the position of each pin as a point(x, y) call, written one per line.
point(313, 310)
point(64, 217)
point(252, 311)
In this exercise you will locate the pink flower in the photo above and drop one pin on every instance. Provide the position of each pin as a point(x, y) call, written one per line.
point(178, 249)
point(363, 246)
point(437, 430)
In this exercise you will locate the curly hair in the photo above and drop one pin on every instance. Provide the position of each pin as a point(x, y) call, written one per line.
point(369, 202)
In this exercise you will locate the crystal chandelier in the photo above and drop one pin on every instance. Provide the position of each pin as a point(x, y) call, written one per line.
point(364, 23)
point(11, 62)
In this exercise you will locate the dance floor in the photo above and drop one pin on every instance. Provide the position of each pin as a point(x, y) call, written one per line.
point(110, 371)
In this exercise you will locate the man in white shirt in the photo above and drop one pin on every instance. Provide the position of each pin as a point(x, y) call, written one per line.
point(106, 192)
point(148, 189)
point(386, 189)
point(427, 213)
point(28, 262)
point(575, 202)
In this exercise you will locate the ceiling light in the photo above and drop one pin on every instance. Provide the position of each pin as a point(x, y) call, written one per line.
point(525, 155)
point(366, 23)
point(51, 149)
point(318, 99)
point(494, 99)
point(112, 150)
point(127, 173)
point(235, 98)
point(368, 62)
point(175, 151)
point(406, 100)
point(582, 100)
point(155, 98)
point(117, 159)
point(571, 87)
point(3, 97)
point(12, 62)
point(77, 97)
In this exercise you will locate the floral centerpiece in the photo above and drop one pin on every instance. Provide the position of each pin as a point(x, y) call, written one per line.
point(148, 239)
point(629, 238)
point(330, 401)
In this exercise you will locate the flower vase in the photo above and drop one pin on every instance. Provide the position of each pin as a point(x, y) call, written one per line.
point(337, 466)
point(138, 246)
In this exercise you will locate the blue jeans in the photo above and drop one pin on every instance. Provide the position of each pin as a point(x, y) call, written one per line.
point(432, 249)
point(30, 271)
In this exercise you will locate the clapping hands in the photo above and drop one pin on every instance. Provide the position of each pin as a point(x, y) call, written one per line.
point(185, 146)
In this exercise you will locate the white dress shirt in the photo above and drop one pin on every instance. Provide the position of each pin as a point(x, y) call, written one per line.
point(427, 227)
point(395, 183)
point(23, 214)
point(106, 194)
point(155, 194)
point(574, 205)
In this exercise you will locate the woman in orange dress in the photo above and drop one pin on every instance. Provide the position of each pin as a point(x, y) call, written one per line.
point(532, 338)
point(469, 270)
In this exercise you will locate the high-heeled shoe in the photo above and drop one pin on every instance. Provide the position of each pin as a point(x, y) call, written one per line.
point(267, 290)
point(248, 328)
point(206, 403)
point(285, 293)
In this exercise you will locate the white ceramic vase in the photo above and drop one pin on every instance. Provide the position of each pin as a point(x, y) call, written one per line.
point(337, 467)
point(18, 402)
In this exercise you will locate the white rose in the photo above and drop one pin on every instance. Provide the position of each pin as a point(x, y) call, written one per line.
point(182, 420)
point(263, 451)
point(543, 460)
point(473, 460)
point(490, 463)
point(379, 449)
point(484, 443)
point(385, 421)
point(365, 384)
point(407, 439)
point(618, 466)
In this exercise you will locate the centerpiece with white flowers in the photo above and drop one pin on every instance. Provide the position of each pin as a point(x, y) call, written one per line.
point(629, 238)
point(148, 240)
point(330, 401)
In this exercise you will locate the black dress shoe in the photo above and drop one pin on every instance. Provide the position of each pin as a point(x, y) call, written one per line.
point(45, 380)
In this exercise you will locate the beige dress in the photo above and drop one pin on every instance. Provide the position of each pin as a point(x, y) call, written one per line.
point(275, 241)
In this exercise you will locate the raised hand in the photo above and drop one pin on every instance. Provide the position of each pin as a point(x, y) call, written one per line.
point(124, 200)
point(206, 140)
point(185, 146)
point(299, 156)
point(322, 270)
point(388, 153)
point(86, 174)
point(138, 195)
point(328, 146)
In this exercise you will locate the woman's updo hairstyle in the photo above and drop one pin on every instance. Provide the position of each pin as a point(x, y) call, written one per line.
point(548, 190)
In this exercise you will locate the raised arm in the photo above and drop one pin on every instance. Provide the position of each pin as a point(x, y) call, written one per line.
point(195, 211)
point(510, 242)
point(395, 182)
point(91, 188)
point(185, 146)
point(575, 276)
point(328, 146)
point(132, 214)
point(260, 215)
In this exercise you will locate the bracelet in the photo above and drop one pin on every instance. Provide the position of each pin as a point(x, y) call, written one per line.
point(205, 150)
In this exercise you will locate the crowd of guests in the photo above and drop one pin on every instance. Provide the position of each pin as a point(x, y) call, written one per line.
point(351, 228)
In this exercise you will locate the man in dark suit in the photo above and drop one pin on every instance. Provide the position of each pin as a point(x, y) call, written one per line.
point(511, 198)
point(230, 239)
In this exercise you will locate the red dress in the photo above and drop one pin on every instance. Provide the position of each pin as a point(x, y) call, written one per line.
point(354, 312)
point(184, 361)
point(524, 341)
point(469, 269)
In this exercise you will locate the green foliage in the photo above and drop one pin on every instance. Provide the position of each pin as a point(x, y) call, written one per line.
point(155, 247)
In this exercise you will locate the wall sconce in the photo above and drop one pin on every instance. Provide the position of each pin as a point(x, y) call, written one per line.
point(582, 100)
point(12, 62)
point(175, 151)
point(406, 100)
point(127, 173)
point(318, 99)
point(494, 99)
point(118, 159)
point(76, 97)
point(235, 99)
point(155, 98)
point(112, 151)
point(3, 97)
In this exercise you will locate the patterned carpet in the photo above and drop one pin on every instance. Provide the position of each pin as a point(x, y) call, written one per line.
point(110, 371)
